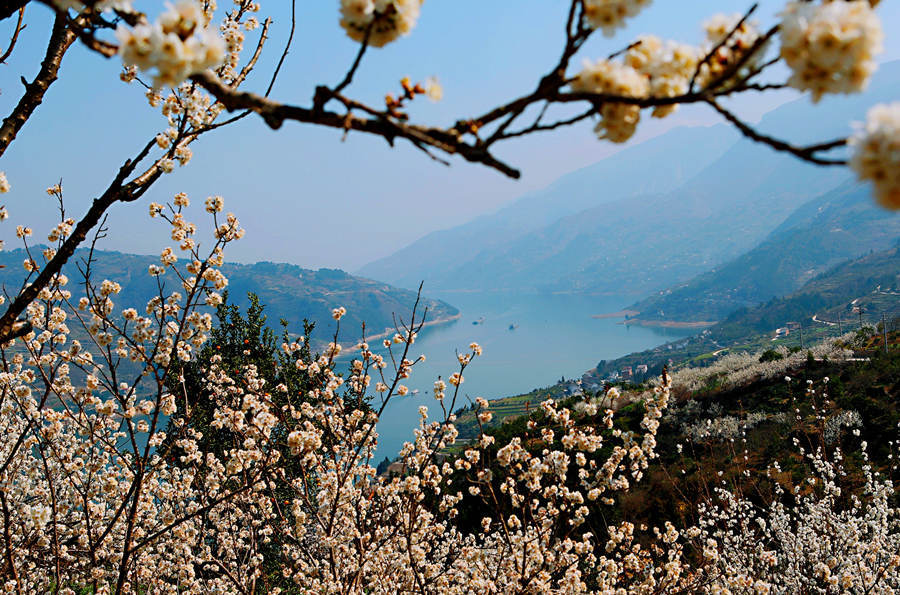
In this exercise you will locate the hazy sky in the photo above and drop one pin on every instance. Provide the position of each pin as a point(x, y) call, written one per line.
point(304, 195)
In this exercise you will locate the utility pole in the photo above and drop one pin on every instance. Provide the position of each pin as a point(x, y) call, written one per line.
point(884, 331)
point(840, 325)
point(860, 310)
point(801, 335)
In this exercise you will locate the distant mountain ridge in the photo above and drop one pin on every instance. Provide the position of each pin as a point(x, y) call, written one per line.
point(840, 225)
point(287, 291)
point(635, 238)
point(622, 174)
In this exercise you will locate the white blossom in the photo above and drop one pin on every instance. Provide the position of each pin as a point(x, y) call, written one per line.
point(876, 153)
point(830, 47)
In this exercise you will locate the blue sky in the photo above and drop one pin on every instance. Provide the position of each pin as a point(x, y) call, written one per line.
point(304, 195)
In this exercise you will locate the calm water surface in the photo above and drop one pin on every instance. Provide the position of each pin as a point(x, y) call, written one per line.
point(555, 337)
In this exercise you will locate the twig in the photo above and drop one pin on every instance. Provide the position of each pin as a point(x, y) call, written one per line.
point(348, 78)
point(15, 37)
point(538, 127)
point(804, 153)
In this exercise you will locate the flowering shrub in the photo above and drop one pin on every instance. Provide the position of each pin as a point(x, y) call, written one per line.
point(817, 543)
point(738, 369)
point(99, 491)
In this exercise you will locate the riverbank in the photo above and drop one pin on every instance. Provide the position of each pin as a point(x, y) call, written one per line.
point(619, 314)
point(428, 323)
point(555, 337)
point(631, 319)
point(667, 323)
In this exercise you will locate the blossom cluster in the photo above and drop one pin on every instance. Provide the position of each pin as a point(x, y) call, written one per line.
point(379, 22)
point(668, 66)
point(728, 427)
point(610, 15)
point(830, 47)
point(731, 48)
point(740, 368)
point(618, 121)
point(664, 69)
point(876, 153)
point(813, 536)
point(179, 44)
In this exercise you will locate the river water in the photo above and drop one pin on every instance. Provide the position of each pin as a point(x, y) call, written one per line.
point(555, 336)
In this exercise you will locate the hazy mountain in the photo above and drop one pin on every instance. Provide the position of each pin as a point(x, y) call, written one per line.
point(288, 291)
point(840, 225)
point(640, 237)
point(620, 176)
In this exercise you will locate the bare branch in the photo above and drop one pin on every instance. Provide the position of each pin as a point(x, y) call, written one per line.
point(118, 191)
point(61, 39)
point(804, 153)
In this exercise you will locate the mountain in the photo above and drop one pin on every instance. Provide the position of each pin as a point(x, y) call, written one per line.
point(288, 291)
point(835, 227)
point(855, 292)
point(870, 283)
point(637, 237)
point(620, 176)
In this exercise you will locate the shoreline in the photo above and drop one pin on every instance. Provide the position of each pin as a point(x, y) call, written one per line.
point(630, 319)
point(428, 323)
point(667, 323)
point(619, 314)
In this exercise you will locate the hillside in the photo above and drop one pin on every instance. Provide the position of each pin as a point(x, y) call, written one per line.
point(826, 305)
point(288, 291)
point(732, 424)
point(840, 225)
point(640, 239)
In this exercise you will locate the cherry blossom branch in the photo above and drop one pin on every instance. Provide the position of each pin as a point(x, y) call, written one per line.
point(348, 78)
point(118, 191)
point(722, 43)
point(275, 114)
point(463, 138)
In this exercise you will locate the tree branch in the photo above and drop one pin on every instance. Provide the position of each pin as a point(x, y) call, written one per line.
point(61, 39)
point(275, 114)
point(118, 191)
point(805, 153)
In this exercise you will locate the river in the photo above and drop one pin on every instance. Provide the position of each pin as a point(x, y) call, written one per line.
point(555, 336)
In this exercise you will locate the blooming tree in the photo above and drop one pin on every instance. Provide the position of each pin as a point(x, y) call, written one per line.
point(107, 485)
